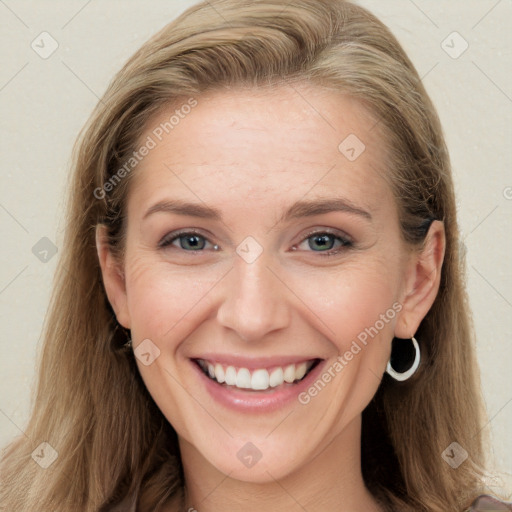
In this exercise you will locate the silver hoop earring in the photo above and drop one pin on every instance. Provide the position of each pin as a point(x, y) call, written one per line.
point(404, 375)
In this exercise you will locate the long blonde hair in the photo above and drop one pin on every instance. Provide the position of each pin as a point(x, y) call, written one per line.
point(91, 405)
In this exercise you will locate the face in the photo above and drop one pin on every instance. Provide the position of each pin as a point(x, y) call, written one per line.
point(262, 243)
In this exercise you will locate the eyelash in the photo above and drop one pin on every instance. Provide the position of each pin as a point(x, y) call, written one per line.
point(346, 243)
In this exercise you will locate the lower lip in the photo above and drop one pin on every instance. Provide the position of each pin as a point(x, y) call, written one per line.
point(269, 400)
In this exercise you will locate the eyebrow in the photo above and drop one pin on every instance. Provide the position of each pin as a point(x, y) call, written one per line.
point(299, 209)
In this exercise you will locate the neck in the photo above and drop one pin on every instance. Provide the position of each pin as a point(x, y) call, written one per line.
point(331, 482)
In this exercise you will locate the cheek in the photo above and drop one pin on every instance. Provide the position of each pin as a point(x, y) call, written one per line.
point(165, 307)
point(354, 302)
point(361, 312)
point(161, 300)
point(357, 312)
point(355, 309)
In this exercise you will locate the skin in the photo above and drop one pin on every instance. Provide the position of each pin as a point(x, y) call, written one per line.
point(252, 153)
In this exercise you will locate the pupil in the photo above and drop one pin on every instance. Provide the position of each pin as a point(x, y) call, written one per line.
point(322, 240)
point(192, 241)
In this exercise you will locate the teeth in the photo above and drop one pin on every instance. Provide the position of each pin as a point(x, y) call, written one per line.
point(289, 373)
point(258, 380)
point(219, 373)
point(243, 378)
point(301, 370)
point(230, 376)
point(276, 377)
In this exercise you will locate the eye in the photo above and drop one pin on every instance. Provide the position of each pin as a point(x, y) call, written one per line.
point(321, 242)
point(324, 241)
point(188, 241)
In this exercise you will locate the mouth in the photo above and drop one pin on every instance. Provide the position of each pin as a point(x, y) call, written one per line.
point(269, 379)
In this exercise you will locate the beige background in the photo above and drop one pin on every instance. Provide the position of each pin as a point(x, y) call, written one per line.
point(45, 101)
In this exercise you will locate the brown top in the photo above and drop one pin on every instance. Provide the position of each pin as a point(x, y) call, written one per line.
point(486, 503)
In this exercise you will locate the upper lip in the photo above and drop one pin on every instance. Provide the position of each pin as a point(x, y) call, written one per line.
point(254, 363)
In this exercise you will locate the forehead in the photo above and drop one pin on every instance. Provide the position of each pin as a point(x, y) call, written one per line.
point(285, 141)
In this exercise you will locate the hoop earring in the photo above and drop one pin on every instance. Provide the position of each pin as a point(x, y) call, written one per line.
point(120, 338)
point(401, 376)
point(128, 335)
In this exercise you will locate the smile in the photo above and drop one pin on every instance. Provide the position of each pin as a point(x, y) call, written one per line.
point(259, 379)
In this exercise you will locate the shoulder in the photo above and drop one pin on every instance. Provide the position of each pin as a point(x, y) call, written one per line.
point(486, 503)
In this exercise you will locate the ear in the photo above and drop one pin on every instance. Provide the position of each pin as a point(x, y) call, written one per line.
point(422, 281)
point(113, 277)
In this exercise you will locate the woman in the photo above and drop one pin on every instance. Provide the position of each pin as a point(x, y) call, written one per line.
point(260, 303)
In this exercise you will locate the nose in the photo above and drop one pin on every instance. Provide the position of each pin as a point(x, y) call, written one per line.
point(254, 300)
